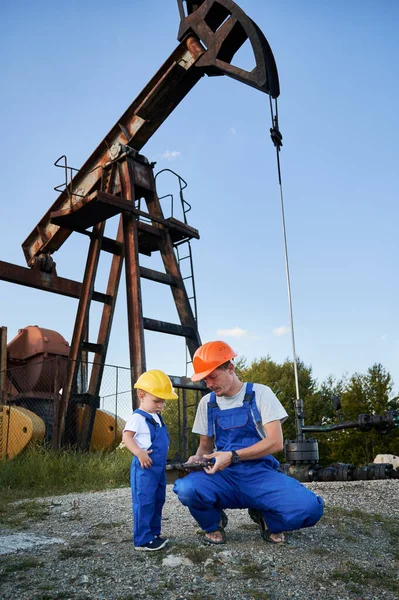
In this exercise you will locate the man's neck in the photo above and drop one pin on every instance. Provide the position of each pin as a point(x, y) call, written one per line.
point(235, 388)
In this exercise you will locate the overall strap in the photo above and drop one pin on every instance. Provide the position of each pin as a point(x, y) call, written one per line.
point(250, 398)
point(211, 405)
point(147, 417)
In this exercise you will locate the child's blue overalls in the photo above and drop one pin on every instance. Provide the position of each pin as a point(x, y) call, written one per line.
point(285, 503)
point(149, 485)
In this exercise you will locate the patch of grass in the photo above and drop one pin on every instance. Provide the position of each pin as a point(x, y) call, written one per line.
point(39, 472)
point(169, 584)
point(197, 555)
point(258, 595)
point(195, 596)
point(23, 565)
point(350, 538)
point(251, 571)
point(17, 514)
point(55, 596)
point(37, 511)
point(46, 587)
point(391, 529)
point(109, 525)
point(66, 553)
point(335, 513)
point(342, 518)
point(353, 574)
point(99, 573)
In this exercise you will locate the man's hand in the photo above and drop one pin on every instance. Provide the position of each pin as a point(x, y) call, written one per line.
point(222, 461)
point(194, 459)
point(144, 459)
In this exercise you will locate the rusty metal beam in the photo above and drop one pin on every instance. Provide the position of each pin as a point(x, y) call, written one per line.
point(170, 328)
point(67, 287)
point(133, 285)
point(45, 281)
point(153, 105)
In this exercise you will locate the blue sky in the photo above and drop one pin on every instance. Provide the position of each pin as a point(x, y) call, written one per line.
point(68, 73)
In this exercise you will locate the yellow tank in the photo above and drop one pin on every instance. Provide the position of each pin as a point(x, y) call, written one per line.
point(18, 426)
point(107, 430)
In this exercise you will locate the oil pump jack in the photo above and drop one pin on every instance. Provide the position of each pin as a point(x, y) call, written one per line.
point(113, 181)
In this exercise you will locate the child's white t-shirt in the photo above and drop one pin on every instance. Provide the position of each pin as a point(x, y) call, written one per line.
point(139, 425)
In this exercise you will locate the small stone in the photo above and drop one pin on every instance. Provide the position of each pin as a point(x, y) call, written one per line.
point(176, 561)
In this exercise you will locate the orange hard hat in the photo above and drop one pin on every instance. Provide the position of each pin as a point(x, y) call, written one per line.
point(209, 357)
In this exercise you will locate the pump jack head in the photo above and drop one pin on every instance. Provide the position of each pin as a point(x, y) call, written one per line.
point(223, 27)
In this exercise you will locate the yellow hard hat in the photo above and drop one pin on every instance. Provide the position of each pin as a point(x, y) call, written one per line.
point(156, 383)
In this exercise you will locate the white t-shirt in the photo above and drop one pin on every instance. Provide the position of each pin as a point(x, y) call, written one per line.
point(139, 425)
point(269, 407)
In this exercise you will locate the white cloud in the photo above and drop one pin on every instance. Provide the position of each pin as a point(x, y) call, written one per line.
point(278, 331)
point(171, 154)
point(232, 130)
point(234, 332)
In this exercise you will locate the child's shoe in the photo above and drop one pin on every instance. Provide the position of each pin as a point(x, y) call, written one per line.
point(156, 544)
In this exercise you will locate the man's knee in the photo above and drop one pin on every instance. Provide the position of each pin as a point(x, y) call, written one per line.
point(309, 514)
point(315, 510)
point(186, 490)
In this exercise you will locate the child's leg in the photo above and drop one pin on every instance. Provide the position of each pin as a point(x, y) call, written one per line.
point(144, 484)
point(160, 496)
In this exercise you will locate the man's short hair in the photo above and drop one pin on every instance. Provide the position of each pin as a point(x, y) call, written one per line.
point(225, 365)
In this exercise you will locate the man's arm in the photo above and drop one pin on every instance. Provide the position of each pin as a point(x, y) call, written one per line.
point(205, 447)
point(271, 444)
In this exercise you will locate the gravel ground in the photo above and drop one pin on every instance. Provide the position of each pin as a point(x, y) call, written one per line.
point(79, 547)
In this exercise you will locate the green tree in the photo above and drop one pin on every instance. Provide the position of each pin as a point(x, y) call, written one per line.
point(280, 378)
point(365, 394)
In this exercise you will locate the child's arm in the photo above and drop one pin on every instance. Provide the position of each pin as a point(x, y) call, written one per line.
point(142, 455)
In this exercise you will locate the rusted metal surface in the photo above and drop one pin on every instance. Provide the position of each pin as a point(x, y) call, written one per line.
point(81, 322)
point(170, 328)
point(132, 273)
point(223, 27)
point(45, 282)
point(101, 206)
point(148, 111)
point(68, 287)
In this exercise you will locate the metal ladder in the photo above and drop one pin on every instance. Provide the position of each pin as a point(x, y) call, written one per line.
point(184, 252)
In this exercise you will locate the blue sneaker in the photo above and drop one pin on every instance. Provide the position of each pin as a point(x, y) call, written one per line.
point(158, 537)
point(156, 544)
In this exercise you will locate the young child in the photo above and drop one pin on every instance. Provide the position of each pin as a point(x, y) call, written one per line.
point(146, 436)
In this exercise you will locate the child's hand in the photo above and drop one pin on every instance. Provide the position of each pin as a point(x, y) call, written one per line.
point(144, 459)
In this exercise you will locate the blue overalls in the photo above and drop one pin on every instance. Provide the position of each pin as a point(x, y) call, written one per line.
point(149, 485)
point(285, 503)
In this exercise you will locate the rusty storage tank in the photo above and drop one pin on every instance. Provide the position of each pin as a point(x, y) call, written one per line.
point(35, 376)
point(31, 361)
